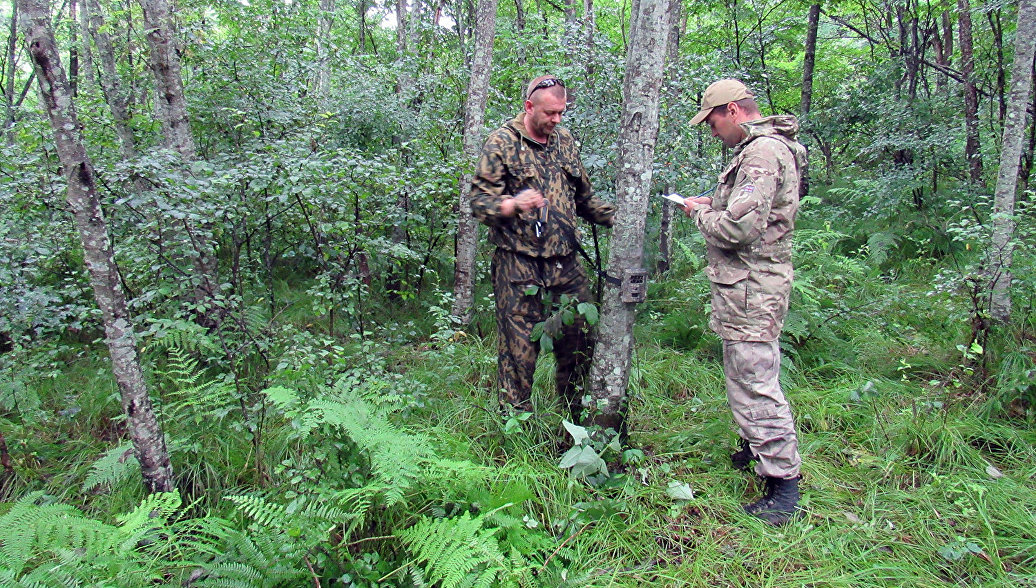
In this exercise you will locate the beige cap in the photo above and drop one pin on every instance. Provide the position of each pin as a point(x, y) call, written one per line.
point(718, 94)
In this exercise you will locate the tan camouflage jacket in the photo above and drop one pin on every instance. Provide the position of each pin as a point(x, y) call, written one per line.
point(748, 231)
point(511, 162)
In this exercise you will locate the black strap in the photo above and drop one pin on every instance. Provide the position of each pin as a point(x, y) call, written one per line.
point(596, 265)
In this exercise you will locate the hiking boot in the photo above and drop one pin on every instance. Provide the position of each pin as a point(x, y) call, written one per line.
point(764, 502)
point(780, 504)
point(742, 458)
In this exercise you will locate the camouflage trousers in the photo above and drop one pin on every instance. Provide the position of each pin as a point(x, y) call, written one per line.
point(760, 410)
point(516, 314)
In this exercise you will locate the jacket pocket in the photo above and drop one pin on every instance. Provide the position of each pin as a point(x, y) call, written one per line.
point(726, 276)
point(523, 176)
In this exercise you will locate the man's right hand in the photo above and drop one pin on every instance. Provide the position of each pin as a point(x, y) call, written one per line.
point(526, 200)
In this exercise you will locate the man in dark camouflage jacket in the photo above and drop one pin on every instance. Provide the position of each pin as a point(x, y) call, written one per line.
point(747, 226)
point(529, 186)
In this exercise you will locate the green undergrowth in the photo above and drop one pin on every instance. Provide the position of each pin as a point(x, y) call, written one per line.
point(383, 460)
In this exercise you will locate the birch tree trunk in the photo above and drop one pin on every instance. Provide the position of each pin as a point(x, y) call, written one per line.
point(111, 85)
point(148, 441)
point(171, 108)
point(665, 225)
point(642, 83)
point(11, 54)
point(999, 263)
point(972, 153)
point(323, 40)
point(170, 103)
point(474, 111)
point(401, 24)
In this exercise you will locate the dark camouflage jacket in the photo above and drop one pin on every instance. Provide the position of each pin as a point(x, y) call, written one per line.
point(748, 231)
point(511, 162)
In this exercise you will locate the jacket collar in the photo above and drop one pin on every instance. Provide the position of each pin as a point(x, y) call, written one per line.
point(518, 124)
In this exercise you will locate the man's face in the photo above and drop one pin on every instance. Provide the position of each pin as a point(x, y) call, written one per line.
point(724, 124)
point(543, 112)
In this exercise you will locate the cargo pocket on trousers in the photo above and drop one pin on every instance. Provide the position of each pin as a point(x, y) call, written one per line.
point(766, 425)
point(732, 289)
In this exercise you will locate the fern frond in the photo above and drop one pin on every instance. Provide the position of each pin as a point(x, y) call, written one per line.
point(396, 457)
point(283, 398)
point(153, 513)
point(266, 514)
point(113, 468)
point(193, 398)
point(458, 551)
point(266, 558)
point(168, 334)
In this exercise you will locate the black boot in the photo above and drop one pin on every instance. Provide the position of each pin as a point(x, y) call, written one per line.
point(780, 504)
point(742, 458)
point(764, 502)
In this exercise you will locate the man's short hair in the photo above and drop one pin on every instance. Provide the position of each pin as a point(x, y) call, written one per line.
point(749, 105)
point(536, 85)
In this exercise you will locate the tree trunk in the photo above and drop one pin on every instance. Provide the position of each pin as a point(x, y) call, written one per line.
point(1027, 157)
point(997, 28)
point(999, 264)
point(361, 14)
point(401, 27)
point(808, 64)
point(570, 12)
point(609, 373)
point(170, 103)
point(810, 59)
point(944, 50)
point(972, 152)
point(519, 15)
point(171, 108)
point(86, 52)
point(111, 85)
point(474, 111)
point(73, 51)
point(665, 226)
point(9, 73)
point(414, 25)
point(148, 441)
point(324, 21)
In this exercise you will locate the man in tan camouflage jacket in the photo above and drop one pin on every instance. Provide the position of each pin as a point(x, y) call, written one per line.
point(747, 226)
point(529, 186)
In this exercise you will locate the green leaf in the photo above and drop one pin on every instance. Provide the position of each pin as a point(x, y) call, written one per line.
point(546, 343)
point(679, 490)
point(589, 311)
point(537, 332)
point(579, 434)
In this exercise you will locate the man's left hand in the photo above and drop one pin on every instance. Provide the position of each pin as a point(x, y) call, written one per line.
point(690, 203)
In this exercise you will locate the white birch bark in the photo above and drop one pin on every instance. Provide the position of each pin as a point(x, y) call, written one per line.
point(324, 23)
point(474, 112)
point(170, 103)
point(144, 430)
point(609, 373)
point(999, 263)
point(111, 85)
point(171, 109)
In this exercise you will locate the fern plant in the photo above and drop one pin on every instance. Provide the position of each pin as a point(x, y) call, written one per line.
point(111, 469)
point(43, 543)
point(462, 552)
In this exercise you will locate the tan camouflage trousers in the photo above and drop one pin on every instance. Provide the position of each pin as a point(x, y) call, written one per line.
point(516, 314)
point(760, 410)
